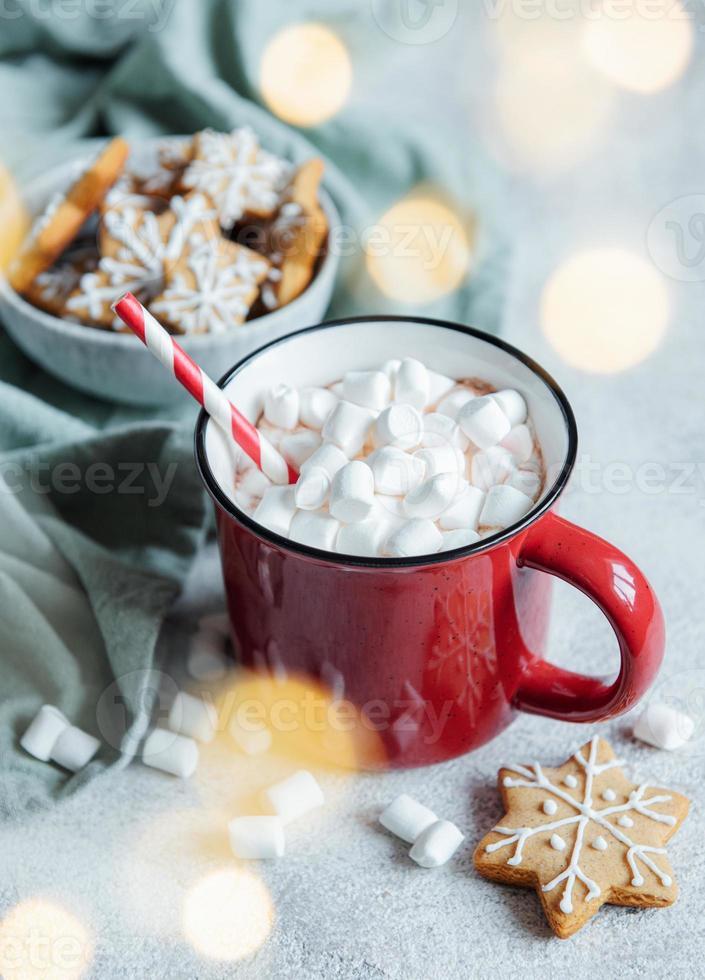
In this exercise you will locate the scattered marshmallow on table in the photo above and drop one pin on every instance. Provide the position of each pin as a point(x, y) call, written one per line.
point(251, 740)
point(276, 509)
point(315, 406)
point(293, 797)
point(411, 383)
point(171, 753)
point(415, 537)
point(257, 837)
point(206, 659)
point(281, 406)
point(406, 818)
point(193, 716)
point(371, 389)
point(436, 844)
point(399, 425)
point(43, 732)
point(347, 427)
point(504, 506)
point(74, 749)
point(317, 529)
point(395, 472)
point(484, 422)
point(664, 727)
point(352, 493)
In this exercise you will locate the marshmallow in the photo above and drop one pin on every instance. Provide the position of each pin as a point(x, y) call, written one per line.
point(352, 493)
point(520, 443)
point(493, 466)
point(192, 716)
point(293, 797)
point(371, 389)
point(327, 456)
point(664, 727)
point(484, 422)
point(512, 404)
point(276, 509)
point(315, 528)
point(40, 738)
point(256, 837)
point(297, 448)
point(253, 482)
point(527, 481)
point(454, 401)
point(441, 430)
point(281, 406)
point(395, 472)
point(460, 538)
point(415, 537)
point(315, 406)
point(391, 367)
point(175, 754)
point(464, 512)
point(252, 741)
point(504, 506)
point(364, 539)
point(272, 433)
point(411, 385)
point(399, 425)
point(206, 660)
point(74, 749)
point(441, 459)
point(347, 426)
point(431, 498)
point(311, 490)
point(407, 819)
point(436, 844)
point(337, 389)
point(217, 622)
point(438, 386)
point(390, 507)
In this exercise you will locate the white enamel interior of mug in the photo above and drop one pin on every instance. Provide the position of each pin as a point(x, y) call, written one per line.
point(321, 357)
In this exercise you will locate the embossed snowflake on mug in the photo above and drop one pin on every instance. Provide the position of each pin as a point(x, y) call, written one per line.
point(583, 835)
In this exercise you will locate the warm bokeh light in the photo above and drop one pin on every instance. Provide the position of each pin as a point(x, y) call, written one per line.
point(641, 53)
point(605, 310)
point(551, 108)
point(228, 915)
point(305, 74)
point(14, 220)
point(419, 250)
point(41, 940)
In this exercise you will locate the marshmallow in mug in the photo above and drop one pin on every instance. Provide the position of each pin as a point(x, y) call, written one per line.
point(396, 461)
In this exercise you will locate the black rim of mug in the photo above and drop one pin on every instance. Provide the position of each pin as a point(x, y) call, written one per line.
point(486, 544)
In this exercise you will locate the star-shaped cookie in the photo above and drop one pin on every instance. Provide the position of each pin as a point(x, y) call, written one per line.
point(583, 835)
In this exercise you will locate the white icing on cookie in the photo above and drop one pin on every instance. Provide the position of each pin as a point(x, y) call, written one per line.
point(571, 781)
point(557, 843)
point(609, 795)
point(625, 821)
point(549, 807)
point(600, 844)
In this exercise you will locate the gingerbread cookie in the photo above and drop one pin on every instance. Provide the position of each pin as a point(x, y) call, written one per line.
point(51, 289)
point(58, 226)
point(237, 174)
point(211, 288)
point(296, 238)
point(583, 835)
point(138, 247)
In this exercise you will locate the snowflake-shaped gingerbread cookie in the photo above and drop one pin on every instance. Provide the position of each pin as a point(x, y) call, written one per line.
point(583, 835)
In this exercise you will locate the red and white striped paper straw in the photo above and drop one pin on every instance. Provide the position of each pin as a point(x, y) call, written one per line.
point(206, 392)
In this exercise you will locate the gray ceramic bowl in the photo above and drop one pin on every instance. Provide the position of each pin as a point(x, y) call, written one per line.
point(116, 366)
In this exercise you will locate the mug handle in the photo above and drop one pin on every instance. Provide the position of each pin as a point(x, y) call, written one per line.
point(623, 594)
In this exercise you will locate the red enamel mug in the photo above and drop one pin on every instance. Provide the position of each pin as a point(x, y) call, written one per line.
point(437, 653)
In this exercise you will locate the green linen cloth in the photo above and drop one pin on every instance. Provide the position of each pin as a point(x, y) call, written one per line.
point(88, 568)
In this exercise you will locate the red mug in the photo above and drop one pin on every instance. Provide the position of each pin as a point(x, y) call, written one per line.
point(437, 652)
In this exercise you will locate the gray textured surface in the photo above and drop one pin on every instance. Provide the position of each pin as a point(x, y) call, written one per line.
point(347, 901)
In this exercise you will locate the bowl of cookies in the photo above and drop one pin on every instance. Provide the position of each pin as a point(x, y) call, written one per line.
point(225, 243)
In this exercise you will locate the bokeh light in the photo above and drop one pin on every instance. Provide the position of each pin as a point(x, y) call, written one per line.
point(228, 915)
point(305, 74)
point(14, 220)
point(419, 250)
point(41, 940)
point(551, 108)
point(605, 310)
point(638, 52)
